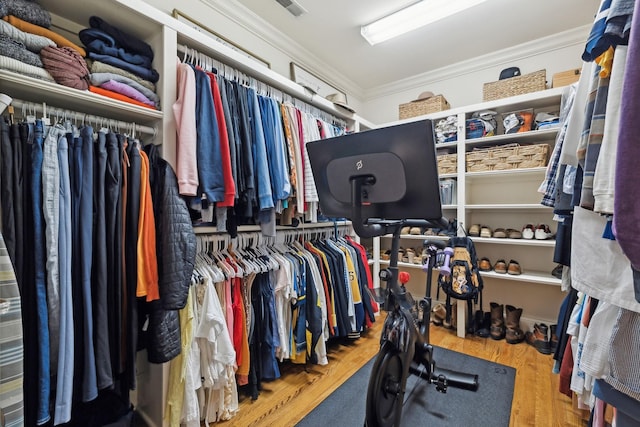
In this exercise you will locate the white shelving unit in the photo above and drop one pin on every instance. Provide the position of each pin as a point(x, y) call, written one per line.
point(502, 199)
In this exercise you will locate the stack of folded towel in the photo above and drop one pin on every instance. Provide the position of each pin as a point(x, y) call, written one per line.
point(120, 64)
point(25, 33)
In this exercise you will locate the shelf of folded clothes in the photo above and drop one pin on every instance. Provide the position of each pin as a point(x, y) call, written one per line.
point(115, 65)
point(38, 90)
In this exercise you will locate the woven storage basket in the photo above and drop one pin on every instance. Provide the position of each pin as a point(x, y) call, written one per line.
point(526, 83)
point(447, 163)
point(425, 106)
point(507, 157)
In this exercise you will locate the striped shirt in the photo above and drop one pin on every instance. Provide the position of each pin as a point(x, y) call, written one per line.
point(11, 346)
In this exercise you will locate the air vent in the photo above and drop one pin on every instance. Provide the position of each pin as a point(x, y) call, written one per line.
point(293, 7)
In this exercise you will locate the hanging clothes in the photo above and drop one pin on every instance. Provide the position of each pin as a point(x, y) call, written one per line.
point(249, 153)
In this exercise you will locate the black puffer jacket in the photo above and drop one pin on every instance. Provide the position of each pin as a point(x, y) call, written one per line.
point(175, 239)
point(176, 252)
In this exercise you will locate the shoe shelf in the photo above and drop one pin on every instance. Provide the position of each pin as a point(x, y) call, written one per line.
point(520, 242)
point(402, 264)
point(501, 199)
point(417, 237)
point(528, 276)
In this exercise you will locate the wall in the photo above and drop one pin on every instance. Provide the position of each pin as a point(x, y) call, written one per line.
point(461, 84)
point(233, 22)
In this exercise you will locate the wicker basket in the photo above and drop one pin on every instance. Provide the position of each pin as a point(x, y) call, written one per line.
point(507, 157)
point(526, 83)
point(425, 106)
point(447, 163)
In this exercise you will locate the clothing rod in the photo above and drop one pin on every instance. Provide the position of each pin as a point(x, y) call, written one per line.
point(328, 116)
point(48, 110)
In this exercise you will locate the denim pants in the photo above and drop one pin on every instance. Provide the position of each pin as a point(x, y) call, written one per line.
point(64, 385)
point(113, 220)
point(51, 211)
point(19, 192)
point(89, 383)
point(40, 275)
point(99, 276)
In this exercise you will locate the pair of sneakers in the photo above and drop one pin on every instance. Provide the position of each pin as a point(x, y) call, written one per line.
point(477, 230)
point(539, 232)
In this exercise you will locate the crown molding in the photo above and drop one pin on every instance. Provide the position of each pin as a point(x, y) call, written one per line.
point(254, 24)
point(506, 56)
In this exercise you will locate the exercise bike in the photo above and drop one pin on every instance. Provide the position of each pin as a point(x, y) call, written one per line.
point(405, 348)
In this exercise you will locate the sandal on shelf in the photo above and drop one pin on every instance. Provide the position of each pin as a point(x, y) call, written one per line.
point(500, 266)
point(474, 230)
point(484, 264)
point(512, 233)
point(500, 233)
point(485, 232)
point(514, 268)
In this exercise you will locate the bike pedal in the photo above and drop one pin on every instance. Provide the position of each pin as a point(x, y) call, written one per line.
point(441, 384)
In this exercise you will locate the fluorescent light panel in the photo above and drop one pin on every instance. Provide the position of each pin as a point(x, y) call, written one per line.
point(413, 17)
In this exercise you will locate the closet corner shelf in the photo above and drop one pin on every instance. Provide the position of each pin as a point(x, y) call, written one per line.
point(63, 97)
point(521, 137)
point(520, 242)
point(452, 144)
point(449, 206)
point(506, 206)
point(527, 276)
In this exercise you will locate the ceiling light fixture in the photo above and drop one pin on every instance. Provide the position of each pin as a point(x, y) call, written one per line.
point(412, 17)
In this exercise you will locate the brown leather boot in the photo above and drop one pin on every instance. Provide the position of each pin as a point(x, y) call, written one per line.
point(497, 321)
point(514, 334)
point(539, 338)
point(553, 338)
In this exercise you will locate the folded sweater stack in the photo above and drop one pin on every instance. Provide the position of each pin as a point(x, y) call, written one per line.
point(19, 50)
point(29, 47)
point(120, 64)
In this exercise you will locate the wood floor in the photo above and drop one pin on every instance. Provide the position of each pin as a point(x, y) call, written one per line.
point(536, 400)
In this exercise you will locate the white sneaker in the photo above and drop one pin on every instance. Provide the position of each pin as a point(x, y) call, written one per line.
point(527, 232)
point(542, 232)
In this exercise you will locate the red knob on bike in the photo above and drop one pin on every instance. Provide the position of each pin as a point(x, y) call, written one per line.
point(404, 277)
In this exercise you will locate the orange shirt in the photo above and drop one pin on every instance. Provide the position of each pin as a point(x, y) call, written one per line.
point(28, 27)
point(147, 260)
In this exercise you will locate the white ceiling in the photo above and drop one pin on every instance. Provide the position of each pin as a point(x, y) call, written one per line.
point(331, 32)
